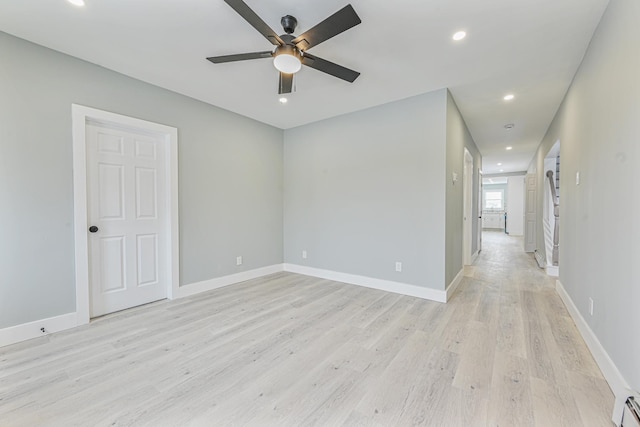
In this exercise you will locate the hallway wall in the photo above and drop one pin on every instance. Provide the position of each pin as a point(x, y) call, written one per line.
point(457, 139)
point(598, 126)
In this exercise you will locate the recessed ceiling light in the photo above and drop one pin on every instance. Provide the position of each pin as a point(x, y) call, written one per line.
point(76, 2)
point(509, 148)
point(459, 35)
point(283, 100)
point(509, 97)
point(499, 164)
point(509, 126)
point(501, 170)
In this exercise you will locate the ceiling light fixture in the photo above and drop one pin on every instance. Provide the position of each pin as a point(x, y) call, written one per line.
point(509, 148)
point(76, 2)
point(459, 35)
point(509, 97)
point(499, 164)
point(501, 170)
point(509, 126)
point(287, 59)
point(283, 100)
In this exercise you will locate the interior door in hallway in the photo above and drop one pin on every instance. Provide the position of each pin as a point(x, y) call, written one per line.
point(128, 218)
point(479, 211)
point(467, 229)
point(530, 214)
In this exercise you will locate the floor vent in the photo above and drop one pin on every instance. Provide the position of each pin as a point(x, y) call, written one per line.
point(631, 417)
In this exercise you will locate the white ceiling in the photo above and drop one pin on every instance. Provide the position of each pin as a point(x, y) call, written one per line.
point(530, 48)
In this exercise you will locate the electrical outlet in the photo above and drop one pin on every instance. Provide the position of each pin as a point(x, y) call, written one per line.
point(398, 266)
point(591, 306)
point(304, 254)
point(239, 260)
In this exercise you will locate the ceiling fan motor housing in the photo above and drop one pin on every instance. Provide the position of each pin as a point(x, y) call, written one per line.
point(289, 23)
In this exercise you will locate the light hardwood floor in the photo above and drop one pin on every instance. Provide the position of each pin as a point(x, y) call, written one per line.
point(292, 350)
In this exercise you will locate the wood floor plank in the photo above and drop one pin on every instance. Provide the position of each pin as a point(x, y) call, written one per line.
point(511, 399)
point(554, 404)
point(511, 331)
point(587, 389)
point(537, 349)
point(475, 369)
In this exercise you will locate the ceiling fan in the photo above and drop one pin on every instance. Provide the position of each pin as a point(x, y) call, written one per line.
point(291, 52)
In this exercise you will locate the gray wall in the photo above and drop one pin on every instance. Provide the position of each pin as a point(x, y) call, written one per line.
point(598, 126)
point(365, 190)
point(458, 138)
point(230, 172)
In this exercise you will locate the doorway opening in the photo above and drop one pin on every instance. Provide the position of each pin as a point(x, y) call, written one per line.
point(551, 210)
point(467, 230)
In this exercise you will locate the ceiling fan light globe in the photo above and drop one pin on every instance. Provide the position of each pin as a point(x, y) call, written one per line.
point(286, 63)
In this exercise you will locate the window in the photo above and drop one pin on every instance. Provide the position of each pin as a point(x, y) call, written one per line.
point(494, 199)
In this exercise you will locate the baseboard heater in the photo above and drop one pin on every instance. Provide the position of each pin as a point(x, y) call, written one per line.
point(631, 417)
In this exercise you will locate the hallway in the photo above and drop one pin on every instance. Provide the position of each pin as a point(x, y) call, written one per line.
point(541, 365)
point(292, 350)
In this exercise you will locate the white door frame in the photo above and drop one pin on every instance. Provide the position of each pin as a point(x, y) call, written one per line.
point(479, 211)
point(80, 116)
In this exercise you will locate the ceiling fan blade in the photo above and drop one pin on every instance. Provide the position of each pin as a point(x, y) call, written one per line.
point(330, 68)
point(285, 84)
point(252, 18)
point(240, 57)
point(340, 21)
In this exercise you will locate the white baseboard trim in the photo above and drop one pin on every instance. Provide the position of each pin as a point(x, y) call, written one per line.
point(27, 331)
point(539, 258)
point(553, 270)
point(219, 282)
point(618, 384)
point(370, 282)
point(455, 283)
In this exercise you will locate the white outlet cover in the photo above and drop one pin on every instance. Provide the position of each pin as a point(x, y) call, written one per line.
point(304, 254)
point(398, 266)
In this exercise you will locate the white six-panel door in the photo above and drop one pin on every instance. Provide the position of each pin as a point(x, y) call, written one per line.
point(126, 197)
point(530, 216)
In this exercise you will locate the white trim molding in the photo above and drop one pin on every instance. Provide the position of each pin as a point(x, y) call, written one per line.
point(454, 284)
point(80, 116)
point(38, 328)
point(618, 384)
point(475, 256)
point(552, 270)
point(539, 258)
point(232, 279)
point(370, 282)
